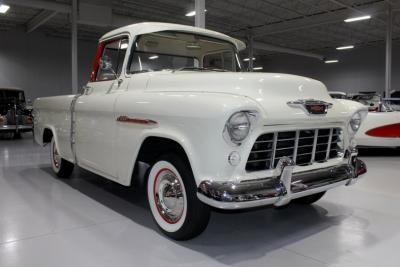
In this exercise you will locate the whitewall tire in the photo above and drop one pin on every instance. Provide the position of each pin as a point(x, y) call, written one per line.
point(171, 192)
point(60, 166)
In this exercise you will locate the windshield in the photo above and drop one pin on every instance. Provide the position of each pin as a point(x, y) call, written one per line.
point(182, 51)
point(12, 96)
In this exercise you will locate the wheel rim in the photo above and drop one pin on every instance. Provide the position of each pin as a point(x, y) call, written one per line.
point(168, 196)
point(56, 157)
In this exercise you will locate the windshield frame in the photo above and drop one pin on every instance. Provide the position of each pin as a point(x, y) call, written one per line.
point(238, 63)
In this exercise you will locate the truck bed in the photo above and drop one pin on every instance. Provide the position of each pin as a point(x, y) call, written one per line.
point(54, 114)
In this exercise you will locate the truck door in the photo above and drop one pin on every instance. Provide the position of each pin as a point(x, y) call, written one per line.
point(95, 123)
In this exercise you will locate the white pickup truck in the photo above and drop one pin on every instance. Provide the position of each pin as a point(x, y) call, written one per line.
point(170, 105)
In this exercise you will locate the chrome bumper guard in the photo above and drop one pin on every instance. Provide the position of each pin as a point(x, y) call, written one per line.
point(281, 188)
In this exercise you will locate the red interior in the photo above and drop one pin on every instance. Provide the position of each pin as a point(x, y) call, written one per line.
point(99, 52)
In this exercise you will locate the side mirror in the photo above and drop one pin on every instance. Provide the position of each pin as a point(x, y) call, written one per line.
point(105, 63)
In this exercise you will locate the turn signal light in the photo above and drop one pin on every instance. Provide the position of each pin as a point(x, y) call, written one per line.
point(388, 131)
point(3, 120)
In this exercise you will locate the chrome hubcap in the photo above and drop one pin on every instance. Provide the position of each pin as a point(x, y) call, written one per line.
point(169, 196)
point(56, 157)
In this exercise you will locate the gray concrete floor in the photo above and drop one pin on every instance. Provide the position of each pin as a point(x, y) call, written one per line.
point(89, 221)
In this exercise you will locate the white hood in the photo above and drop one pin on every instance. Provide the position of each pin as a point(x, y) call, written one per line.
point(272, 91)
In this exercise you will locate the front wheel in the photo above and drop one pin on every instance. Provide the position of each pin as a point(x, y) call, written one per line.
point(171, 192)
point(61, 167)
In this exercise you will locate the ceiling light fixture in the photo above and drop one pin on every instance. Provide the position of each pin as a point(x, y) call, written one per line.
point(357, 18)
point(153, 57)
point(331, 61)
point(124, 46)
point(345, 47)
point(248, 59)
point(4, 8)
point(193, 13)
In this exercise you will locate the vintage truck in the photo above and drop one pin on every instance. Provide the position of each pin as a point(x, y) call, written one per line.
point(15, 115)
point(169, 106)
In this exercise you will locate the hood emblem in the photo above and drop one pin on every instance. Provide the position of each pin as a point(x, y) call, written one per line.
point(312, 106)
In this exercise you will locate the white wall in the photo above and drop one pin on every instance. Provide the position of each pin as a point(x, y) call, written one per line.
point(360, 69)
point(41, 65)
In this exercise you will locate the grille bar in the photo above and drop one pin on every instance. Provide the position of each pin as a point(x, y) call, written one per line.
point(273, 151)
point(303, 146)
point(296, 146)
point(329, 144)
point(314, 145)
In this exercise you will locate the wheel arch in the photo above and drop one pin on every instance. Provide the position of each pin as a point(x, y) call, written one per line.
point(151, 148)
point(47, 135)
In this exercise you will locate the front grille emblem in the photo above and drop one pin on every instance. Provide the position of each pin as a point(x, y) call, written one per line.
point(312, 106)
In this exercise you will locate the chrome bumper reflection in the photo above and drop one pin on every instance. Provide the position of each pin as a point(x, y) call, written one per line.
point(283, 187)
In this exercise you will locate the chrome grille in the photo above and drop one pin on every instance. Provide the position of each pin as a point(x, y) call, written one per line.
point(303, 146)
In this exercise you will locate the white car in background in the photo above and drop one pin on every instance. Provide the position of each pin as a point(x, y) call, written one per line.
point(381, 128)
point(168, 104)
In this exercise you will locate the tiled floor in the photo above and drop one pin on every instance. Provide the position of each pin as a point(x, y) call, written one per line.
point(89, 221)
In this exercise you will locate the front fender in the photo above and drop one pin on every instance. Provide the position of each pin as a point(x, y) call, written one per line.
point(194, 120)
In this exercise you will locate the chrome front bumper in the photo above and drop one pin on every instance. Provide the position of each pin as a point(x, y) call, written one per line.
point(16, 128)
point(280, 189)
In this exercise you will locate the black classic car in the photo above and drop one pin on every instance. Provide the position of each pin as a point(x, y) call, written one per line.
point(15, 116)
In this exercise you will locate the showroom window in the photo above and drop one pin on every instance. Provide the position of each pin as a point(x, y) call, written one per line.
point(113, 52)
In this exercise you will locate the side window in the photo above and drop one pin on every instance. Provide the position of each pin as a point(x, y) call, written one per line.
point(222, 60)
point(114, 52)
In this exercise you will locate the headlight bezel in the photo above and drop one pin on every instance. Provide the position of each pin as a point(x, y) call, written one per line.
point(239, 121)
point(355, 122)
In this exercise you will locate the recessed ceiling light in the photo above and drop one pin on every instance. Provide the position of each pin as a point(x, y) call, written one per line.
point(193, 13)
point(357, 18)
point(345, 47)
point(4, 8)
point(257, 68)
point(248, 59)
point(331, 61)
point(124, 46)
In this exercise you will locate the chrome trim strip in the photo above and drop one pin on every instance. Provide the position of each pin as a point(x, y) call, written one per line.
point(126, 119)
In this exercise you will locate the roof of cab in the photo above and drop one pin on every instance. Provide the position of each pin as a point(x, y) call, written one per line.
point(149, 27)
point(11, 88)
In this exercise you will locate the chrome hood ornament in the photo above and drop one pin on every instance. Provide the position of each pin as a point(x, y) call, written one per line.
point(312, 106)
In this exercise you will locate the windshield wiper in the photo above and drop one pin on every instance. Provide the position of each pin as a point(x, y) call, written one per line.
point(199, 69)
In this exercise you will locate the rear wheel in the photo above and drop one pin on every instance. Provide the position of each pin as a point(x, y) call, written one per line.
point(171, 192)
point(307, 200)
point(60, 166)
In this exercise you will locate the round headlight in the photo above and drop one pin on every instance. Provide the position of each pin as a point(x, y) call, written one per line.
point(238, 126)
point(355, 122)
